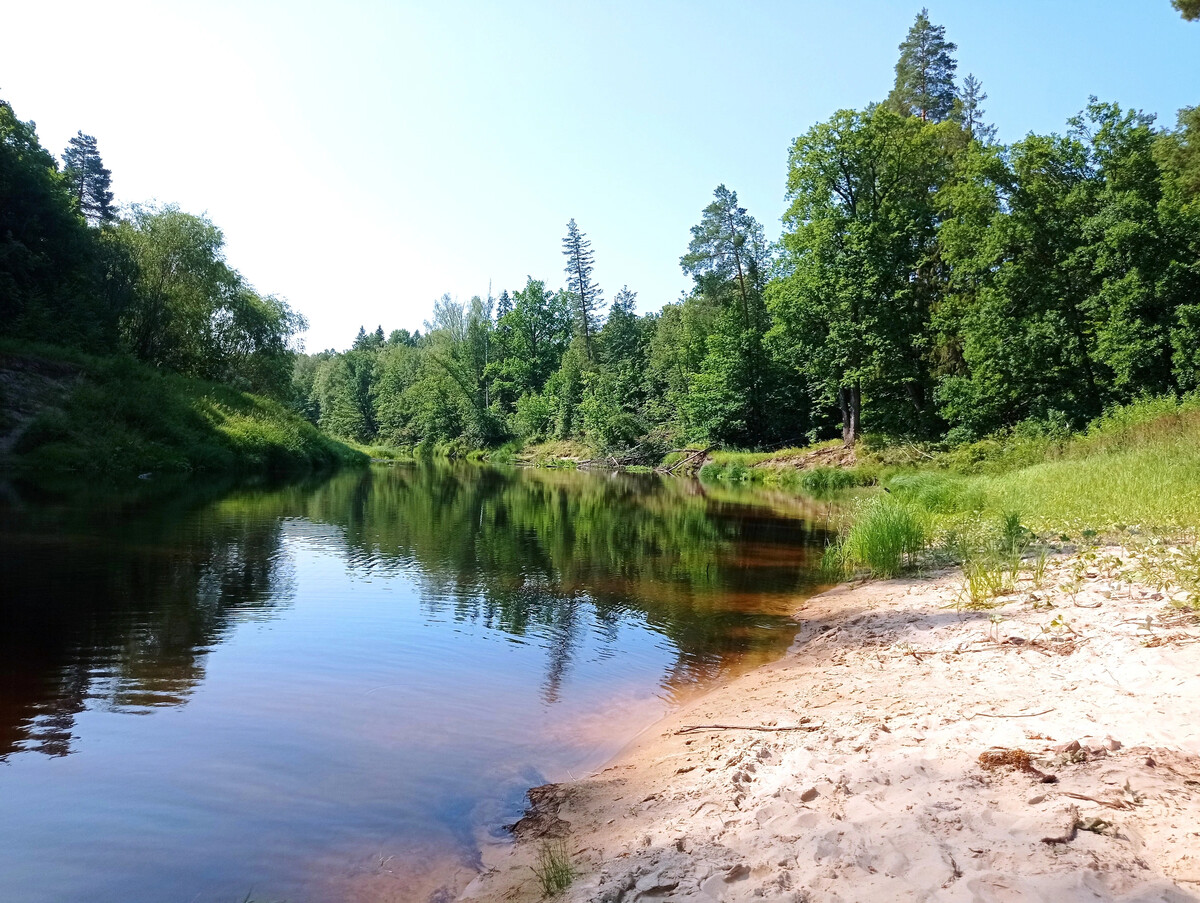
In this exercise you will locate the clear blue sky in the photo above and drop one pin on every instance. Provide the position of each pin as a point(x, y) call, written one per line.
point(362, 158)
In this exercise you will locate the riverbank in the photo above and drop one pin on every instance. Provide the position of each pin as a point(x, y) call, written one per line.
point(66, 412)
point(1046, 746)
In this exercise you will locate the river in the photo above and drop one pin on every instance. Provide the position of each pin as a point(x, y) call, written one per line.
point(341, 688)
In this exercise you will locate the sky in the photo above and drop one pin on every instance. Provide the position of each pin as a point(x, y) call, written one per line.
point(362, 158)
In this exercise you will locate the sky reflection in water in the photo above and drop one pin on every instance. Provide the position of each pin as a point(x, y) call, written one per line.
point(334, 673)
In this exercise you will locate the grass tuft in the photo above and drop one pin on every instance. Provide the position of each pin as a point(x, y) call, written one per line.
point(554, 870)
point(886, 535)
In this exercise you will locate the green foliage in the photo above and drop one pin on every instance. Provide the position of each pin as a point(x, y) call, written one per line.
point(586, 297)
point(54, 271)
point(937, 492)
point(88, 180)
point(123, 417)
point(855, 303)
point(826, 480)
point(1189, 9)
point(925, 73)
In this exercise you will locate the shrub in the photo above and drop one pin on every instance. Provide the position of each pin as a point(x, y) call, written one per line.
point(737, 472)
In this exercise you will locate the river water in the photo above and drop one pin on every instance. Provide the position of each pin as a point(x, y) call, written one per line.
point(335, 689)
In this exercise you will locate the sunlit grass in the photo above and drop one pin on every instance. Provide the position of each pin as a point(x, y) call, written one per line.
point(885, 536)
point(121, 416)
point(554, 870)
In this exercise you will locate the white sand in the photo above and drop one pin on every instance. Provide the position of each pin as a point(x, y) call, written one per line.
point(882, 796)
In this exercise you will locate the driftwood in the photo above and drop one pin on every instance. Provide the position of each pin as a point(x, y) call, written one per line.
point(693, 455)
point(1017, 715)
point(692, 728)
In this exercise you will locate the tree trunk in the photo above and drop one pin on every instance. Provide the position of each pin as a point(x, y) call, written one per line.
point(850, 401)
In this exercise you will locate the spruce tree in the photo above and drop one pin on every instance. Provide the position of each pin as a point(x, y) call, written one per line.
point(587, 296)
point(89, 181)
point(970, 105)
point(925, 72)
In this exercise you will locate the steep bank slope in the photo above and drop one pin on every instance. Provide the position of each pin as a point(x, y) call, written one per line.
point(65, 412)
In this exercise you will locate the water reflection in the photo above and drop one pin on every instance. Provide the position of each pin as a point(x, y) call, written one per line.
point(383, 660)
point(116, 609)
point(115, 605)
point(516, 551)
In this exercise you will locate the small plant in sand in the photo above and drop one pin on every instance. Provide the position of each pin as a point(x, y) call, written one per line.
point(984, 578)
point(995, 619)
point(1059, 628)
point(1074, 583)
point(1040, 561)
point(554, 870)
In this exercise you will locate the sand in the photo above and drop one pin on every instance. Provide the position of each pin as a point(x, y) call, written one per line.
point(1087, 713)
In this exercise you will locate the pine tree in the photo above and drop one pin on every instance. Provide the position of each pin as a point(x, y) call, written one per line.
point(925, 72)
point(971, 110)
point(728, 247)
point(1189, 9)
point(587, 296)
point(89, 181)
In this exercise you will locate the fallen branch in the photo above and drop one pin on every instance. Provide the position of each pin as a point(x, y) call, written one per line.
point(1072, 829)
point(1017, 715)
point(690, 458)
point(692, 728)
point(1110, 803)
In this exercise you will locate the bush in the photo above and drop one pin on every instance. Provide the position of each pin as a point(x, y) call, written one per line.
point(712, 471)
point(737, 472)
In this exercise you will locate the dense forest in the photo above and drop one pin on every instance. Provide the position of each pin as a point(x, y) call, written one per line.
point(153, 282)
point(930, 283)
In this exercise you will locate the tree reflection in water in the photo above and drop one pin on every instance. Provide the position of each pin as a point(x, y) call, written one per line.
point(115, 603)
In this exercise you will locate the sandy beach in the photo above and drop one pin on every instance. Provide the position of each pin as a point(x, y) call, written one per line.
point(908, 747)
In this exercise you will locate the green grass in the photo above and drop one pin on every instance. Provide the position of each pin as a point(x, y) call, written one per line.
point(827, 480)
point(554, 870)
point(1136, 467)
point(123, 417)
point(884, 537)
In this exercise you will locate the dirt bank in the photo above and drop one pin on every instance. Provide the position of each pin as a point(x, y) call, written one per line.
point(1046, 749)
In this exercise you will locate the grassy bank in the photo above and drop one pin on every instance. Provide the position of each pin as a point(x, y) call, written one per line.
point(1002, 506)
point(68, 412)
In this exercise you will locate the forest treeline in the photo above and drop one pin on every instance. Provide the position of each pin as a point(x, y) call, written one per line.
point(152, 282)
point(930, 282)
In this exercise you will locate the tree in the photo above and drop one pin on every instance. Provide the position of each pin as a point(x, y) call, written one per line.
point(1178, 151)
point(852, 313)
point(621, 333)
point(925, 72)
point(183, 280)
point(89, 180)
point(59, 281)
point(588, 297)
point(1189, 9)
point(971, 111)
point(728, 248)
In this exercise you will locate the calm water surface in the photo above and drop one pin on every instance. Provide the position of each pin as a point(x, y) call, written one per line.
point(312, 692)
